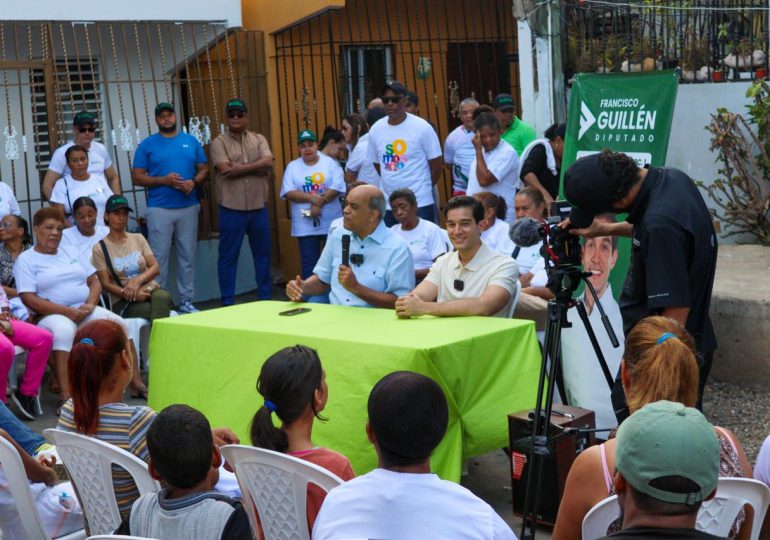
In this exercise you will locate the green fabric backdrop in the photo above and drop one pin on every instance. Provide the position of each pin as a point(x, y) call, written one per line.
point(488, 368)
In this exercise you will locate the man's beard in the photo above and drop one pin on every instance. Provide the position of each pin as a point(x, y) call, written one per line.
point(169, 129)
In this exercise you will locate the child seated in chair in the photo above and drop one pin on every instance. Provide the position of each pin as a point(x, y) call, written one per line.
point(183, 457)
point(293, 384)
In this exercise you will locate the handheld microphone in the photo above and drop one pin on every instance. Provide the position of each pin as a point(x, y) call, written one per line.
point(525, 232)
point(346, 249)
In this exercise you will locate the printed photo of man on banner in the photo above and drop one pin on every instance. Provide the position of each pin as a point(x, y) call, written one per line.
point(629, 113)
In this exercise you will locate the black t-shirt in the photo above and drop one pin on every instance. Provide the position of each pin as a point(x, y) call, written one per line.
point(537, 164)
point(639, 533)
point(673, 254)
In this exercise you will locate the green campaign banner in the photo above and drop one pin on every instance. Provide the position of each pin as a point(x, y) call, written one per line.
point(629, 113)
point(625, 112)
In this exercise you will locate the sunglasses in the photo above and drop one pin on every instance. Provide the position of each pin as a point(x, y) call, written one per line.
point(236, 114)
point(84, 129)
point(391, 99)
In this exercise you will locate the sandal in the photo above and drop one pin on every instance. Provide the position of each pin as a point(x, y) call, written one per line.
point(140, 393)
point(59, 405)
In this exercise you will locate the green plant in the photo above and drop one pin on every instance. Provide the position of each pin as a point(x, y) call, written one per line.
point(742, 194)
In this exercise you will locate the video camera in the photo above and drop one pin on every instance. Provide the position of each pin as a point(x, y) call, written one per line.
point(561, 249)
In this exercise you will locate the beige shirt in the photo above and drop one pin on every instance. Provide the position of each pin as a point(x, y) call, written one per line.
point(245, 192)
point(129, 259)
point(488, 267)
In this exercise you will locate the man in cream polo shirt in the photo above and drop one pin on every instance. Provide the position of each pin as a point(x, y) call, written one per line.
point(472, 280)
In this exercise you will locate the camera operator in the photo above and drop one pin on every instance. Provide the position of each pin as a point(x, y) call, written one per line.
point(674, 249)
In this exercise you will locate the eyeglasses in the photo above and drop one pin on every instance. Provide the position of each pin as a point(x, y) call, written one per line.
point(6, 225)
point(84, 129)
point(236, 114)
point(391, 99)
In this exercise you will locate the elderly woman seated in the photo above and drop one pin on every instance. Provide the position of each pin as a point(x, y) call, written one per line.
point(62, 290)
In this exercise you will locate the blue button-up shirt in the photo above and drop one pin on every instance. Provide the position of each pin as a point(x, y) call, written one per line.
point(387, 265)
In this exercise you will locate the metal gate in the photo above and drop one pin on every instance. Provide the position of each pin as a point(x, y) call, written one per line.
point(120, 71)
point(334, 63)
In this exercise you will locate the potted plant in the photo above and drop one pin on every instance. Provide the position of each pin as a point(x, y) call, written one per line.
point(759, 58)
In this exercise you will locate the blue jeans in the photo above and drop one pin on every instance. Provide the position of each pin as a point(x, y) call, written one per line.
point(424, 212)
point(309, 252)
point(24, 436)
point(233, 226)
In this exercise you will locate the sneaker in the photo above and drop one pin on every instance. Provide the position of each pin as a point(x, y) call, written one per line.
point(25, 404)
point(188, 307)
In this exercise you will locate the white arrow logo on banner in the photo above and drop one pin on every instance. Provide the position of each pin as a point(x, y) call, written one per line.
point(587, 119)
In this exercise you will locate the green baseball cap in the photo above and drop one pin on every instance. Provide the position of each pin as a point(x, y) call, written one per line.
point(116, 202)
point(160, 107)
point(84, 117)
point(666, 439)
point(236, 105)
point(307, 135)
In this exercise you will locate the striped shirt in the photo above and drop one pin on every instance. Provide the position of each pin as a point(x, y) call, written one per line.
point(126, 427)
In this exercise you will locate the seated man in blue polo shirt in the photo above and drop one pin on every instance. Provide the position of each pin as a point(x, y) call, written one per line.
point(380, 265)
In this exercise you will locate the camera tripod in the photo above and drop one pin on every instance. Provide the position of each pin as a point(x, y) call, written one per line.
point(563, 282)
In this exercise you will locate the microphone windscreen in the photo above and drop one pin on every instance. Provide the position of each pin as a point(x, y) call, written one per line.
point(525, 232)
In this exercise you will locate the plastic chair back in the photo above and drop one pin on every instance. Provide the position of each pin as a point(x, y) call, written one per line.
point(516, 295)
point(277, 484)
point(717, 515)
point(89, 464)
point(600, 517)
point(18, 484)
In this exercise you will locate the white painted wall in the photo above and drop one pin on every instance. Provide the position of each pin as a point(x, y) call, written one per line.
point(688, 147)
point(135, 10)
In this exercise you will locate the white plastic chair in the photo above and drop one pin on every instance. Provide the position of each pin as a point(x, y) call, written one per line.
point(516, 295)
point(600, 517)
point(89, 464)
point(277, 484)
point(716, 516)
point(22, 495)
point(139, 332)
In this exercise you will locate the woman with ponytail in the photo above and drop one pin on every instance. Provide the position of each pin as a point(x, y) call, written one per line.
point(659, 363)
point(293, 385)
point(100, 368)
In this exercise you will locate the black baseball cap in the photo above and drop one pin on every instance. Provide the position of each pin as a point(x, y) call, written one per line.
point(160, 107)
point(84, 117)
point(503, 101)
point(411, 97)
point(396, 87)
point(116, 202)
point(236, 105)
point(589, 189)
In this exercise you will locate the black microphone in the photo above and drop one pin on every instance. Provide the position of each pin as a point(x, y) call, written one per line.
point(459, 284)
point(525, 232)
point(346, 249)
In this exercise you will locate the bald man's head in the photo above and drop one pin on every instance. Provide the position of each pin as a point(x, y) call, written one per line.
point(364, 210)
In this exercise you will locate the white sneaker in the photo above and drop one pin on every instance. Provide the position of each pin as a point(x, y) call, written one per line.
point(188, 307)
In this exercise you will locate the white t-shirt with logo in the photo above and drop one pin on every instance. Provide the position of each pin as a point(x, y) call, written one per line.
point(326, 174)
point(425, 241)
point(459, 152)
point(503, 163)
point(8, 203)
point(67, 190)
point(403, 152)
point(59, 278)
point(98, 159)
point(358, 162)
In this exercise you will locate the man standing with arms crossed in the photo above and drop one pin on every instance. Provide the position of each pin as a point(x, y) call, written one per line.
point(171, 165)
point(243, 163)
point(406, 153)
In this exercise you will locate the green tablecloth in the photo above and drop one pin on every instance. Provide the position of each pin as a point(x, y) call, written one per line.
point(488, 368)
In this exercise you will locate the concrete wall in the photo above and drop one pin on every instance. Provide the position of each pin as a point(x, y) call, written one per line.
point(136, 10)
point(688, 148)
